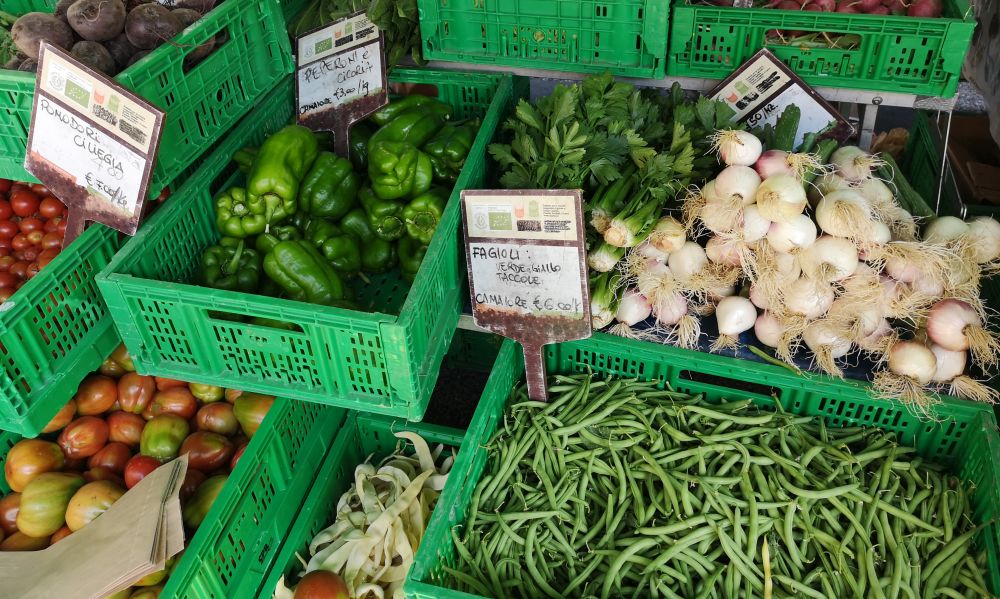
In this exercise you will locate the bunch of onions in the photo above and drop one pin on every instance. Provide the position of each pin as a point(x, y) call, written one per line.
point(827, 344)
point(911, 366)
point(668, 235)
point(956, 326)
point(950, 371)
point(632, 309)
point(735, 315)
point(780, 198)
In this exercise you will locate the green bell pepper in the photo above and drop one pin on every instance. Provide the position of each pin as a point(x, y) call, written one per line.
point(396, 107)
point(361, 134)
point(266, 241)
point(238, 214)
point(415, 126)
point(244, 159)
point(377, 255)
point(303, 273)
point(411, 254)
point(398, 170)
point(278, 169)
point(384, 216)
point(423, 214)
point(330, 188)
point(231, 266)
point(339, 248)
point(450, 147)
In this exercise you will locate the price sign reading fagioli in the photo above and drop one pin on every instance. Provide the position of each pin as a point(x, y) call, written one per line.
point(92, 142)
point(341, 76)
point(527, 270)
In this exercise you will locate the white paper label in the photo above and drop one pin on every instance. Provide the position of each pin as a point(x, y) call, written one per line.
point(337, 80)
point(101, 164)
point(539, 280)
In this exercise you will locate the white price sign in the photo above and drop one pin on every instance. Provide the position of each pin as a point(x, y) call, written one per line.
point(92, 142)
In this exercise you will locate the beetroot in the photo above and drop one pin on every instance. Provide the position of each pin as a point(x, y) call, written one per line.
point(879, 10)
point(896, 7)
point(95, 56)
point(150, 25)
point(186, 16)
point(847, 6)
point(137, 57)
point(788, 5)
point(121, 50)
point(823, 5)
point(925, 8)
point(31, 29)
point(97, 20)
point(867, 6)
point(61, 8)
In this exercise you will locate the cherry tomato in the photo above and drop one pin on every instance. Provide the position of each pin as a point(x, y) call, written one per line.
point(51, 239)
point(18, 186)
point(43, 259)
point(6, 262)
point(7, 280)
point(61, 227)
point(28, 254)
point(40, 189)
point(8, 228)
point(5, 244)
point(5, 251)
point(19, 268)
point(5, 210)
point(33, 269)
point(5, 293)
point(5, 185)
point(32, 223)
point(52, 224)
point(20, 242)
point(36, 237)
point(50, 207)
point(24, 203)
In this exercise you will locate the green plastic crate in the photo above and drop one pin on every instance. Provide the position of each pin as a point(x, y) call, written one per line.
point(54, 331)
point(967, 438)
point(629, 37)
point(240, 537)
point(384, 362)
point(363, 435)
point(201, 103)
point(896, 54)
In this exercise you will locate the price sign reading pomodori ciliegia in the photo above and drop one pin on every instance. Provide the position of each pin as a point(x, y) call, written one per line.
point(92, 142)
point(341, 77)
point(527, 269)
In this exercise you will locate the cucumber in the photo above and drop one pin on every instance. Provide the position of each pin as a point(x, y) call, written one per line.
point(786, 128)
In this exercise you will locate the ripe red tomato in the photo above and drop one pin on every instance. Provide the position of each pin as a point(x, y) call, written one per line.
point(33, 269)
point(6, 292)
point(5, 185)
point(28, 254)
point(52, 224)
point(40, 189)
point(8, 280)
point(32, 223)
point(5, 244)
point(6, 262)
point(50, 207)
point(24, 203)
point(47, 256)
point(35, 237)
point(138, 468)
point(51, 240)
point(19, 269)
point(20, 242)
point(5, 210)
point(8, 228)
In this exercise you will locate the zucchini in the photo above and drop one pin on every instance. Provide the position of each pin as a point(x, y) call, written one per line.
point(786, 128)
point(909, 198)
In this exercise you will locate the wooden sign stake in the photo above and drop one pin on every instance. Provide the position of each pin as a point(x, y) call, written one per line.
point(92, 142)
point(341, 77)
point(527, 270)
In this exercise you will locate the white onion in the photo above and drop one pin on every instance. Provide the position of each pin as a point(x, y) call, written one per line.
point(768, 329)
point(708, 192)
point(737, 147)
point(827, 183)
point(829, 259)
point(845, 213)
point(949, 363)
point(649, 251)
point(820, 336)
point(735, 314)
point(670, 308)
point(956, 326)
point(808, 298)
point(927, 286)
point(788, 266)
point(876, 192)
point(755, 226)
point(760, 298)
point(912, 360)
point(773, 162)
point(737, 185)
point(793, 234)
point(902, 269)
point(945, 229)
point(781, 197)
point(875, 341)
point(723, 251)
point(633, 308)
point(719, 217)
point(688, 261)
point(853, 163)
point(667, 235)
point(984, 239)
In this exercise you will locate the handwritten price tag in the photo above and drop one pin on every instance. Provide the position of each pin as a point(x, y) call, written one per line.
point(341, 76)
point(527, 270)
point(92, 142)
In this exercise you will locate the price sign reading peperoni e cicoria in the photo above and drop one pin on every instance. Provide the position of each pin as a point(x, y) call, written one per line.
point(527, 270)
point(92, 142)
point(341, 76)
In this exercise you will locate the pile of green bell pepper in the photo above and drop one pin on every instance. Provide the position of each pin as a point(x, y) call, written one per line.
point(308, 222)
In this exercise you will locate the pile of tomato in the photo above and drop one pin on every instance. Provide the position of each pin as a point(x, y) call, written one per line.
point(119, 427)
point(32, 225)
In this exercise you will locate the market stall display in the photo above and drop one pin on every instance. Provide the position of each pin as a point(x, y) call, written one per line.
point(692, 486)
point(382, 357)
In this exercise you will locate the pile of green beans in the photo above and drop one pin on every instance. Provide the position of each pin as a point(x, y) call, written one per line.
point(619, 489)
